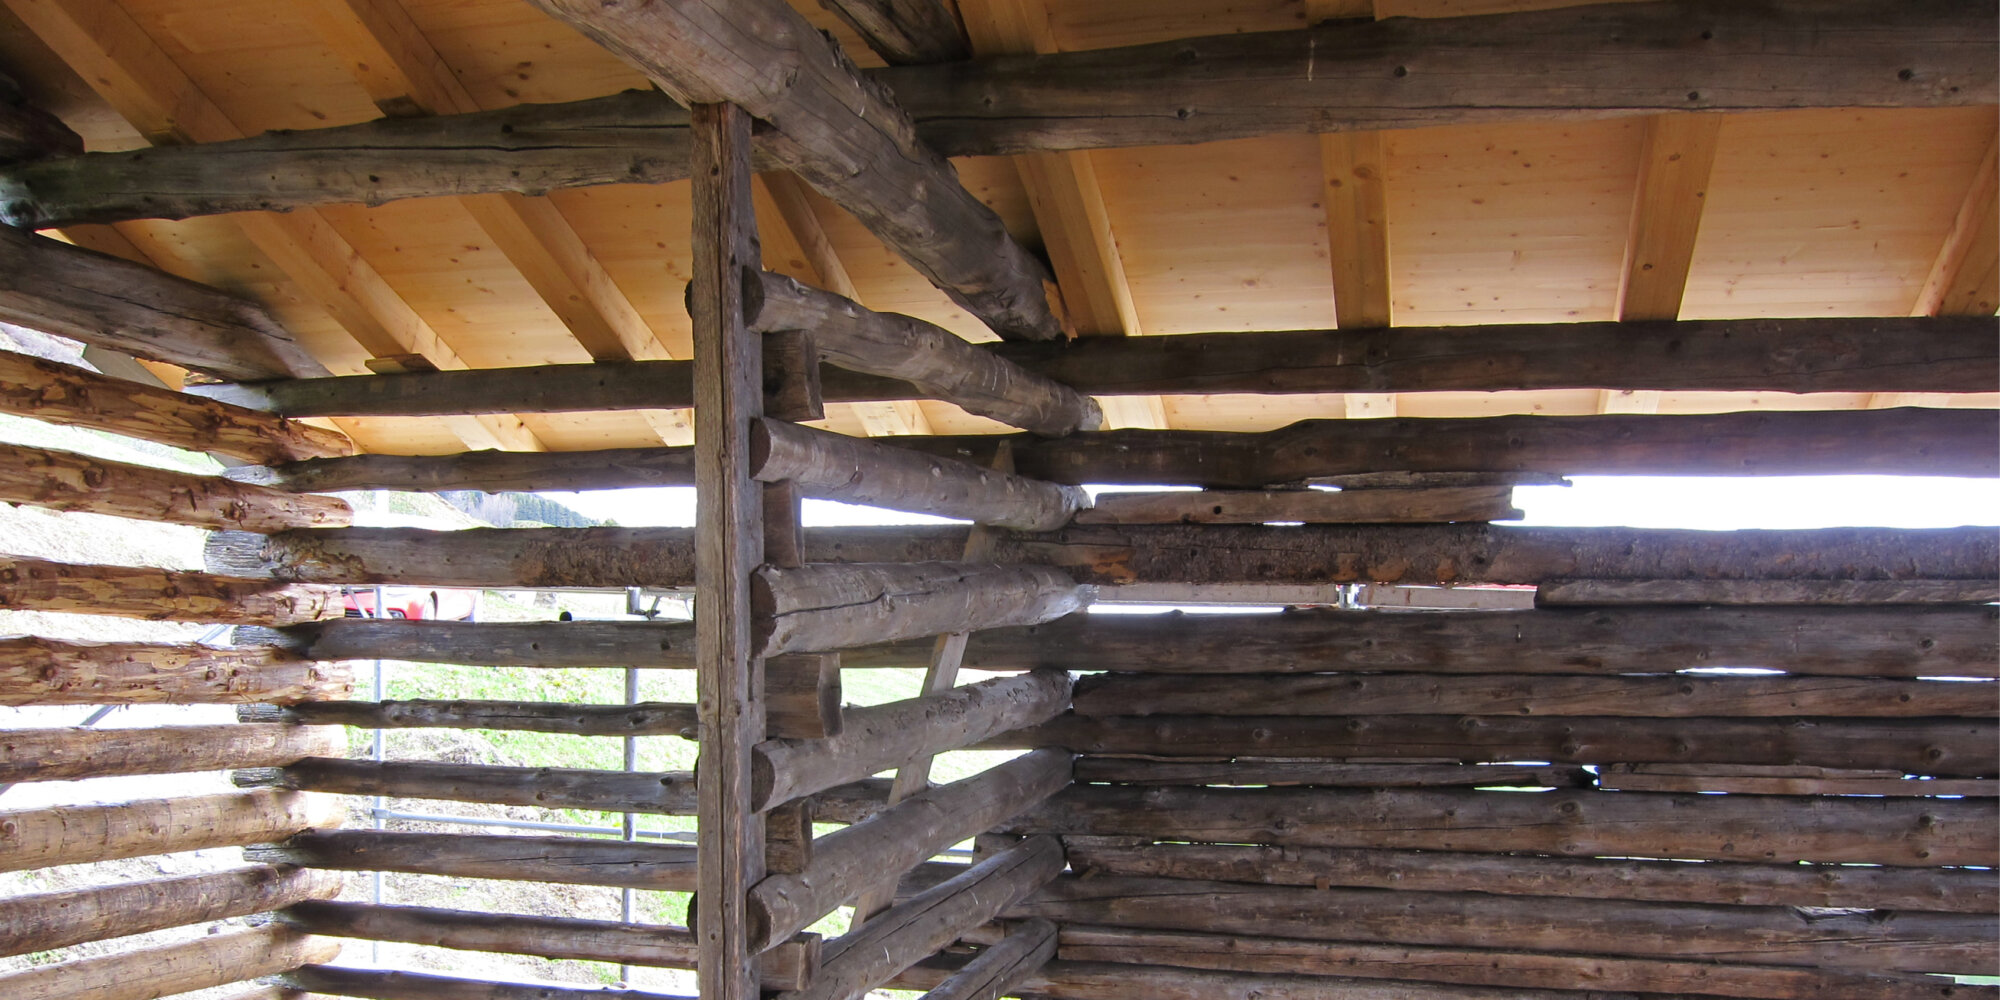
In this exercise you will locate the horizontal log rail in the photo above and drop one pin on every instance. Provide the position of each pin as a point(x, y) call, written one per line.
point(376, 984)
point(74, 835)
point(1917, 833)
point(490, 471)
point(50, 920)
point(1946, 748)
point(936, 362)
point(825, 606)
point(77, 752)
point(1280, 771)
point(1882, 642)
point(881, 737)
point(160, 594)
point(1679, 696)
point(564, 860)
point(1908, 942)
point(76, 397)
point(60, 480)
point(36, 671)
point(653, 793)
point(1412, 506)
point(1838, 593)
point(830, 466)
point(918, 927)
point(789, 965)
point(849, 861)
point(183, 967)
point(1118, 554)
point(642, 719)
point(1002, 965)
point(1937, 890)
point(1784, 781)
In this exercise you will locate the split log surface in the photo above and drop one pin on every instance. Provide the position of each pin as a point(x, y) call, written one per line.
point(652, 793)
point(643, 719)
point(37, 671)
point(75, 397)
point(72, 835)
point(1898, 832)
point(1840, 593)
point(61, 480)
point(148, 973)
point(924, 356)
point(1464, 503)
point(490, 471)
point(159, 594)
point(836, 605)
point(831, 466)
point(881, 737)
point(57, 288)
point(564, 860)
point(50, 920)
point(79, 752)
point(1953, 748)
point(1941, 890)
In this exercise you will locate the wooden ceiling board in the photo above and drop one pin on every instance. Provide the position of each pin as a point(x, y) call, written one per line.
point(260, 62)
point(1103, 24)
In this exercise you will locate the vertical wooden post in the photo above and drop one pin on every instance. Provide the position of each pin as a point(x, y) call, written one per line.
point(729, 517)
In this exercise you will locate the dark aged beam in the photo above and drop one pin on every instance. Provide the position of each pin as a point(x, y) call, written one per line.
point(906, 32)
point(838, 132)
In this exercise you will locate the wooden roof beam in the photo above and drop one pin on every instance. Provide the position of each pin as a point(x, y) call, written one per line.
point(838, 132)
point(1965, 278)
point(905, 32)
point(1674, 166)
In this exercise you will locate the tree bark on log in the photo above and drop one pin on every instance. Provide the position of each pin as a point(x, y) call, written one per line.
point(920, 355)
point(881, 737)
point(490, 471)
point(374, 984)
point(1525, 695)
point(50, 920)
point(53, 672)
point(830, 466)
point(148, 973)
point(61, 480)
point(564, 860)
point(1839, 593)
point(1940, 890)
point(1956, 748)
point(643, 719)
point(159, 594)
point(1464, 503)
point(667, 793)
point(1326, 774)
point(849, 861)
point(1898, 832)
point(51, 286)
point(74, 397)
point(78, 752)
point(829, 606)
point(839, 133)
point(535, 558)
point(999, 967)
point(790, 965)
point(74, 835)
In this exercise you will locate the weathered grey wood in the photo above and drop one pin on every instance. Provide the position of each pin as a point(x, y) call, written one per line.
point(881, 737)
point(75, 397)
point(784, 532)
point(999, 967)
point(565, 860)
point(1173, 553)
point(1783, 781)
point(922, 355)
point(183, 967)
point(491, 471)
point(1484, 967)
point(57, 288)
point(1879, 642)
point(788, 838)
point(79, 752)
point(72, 835)
point(792, 389)
point(373, 984)
point(656, 793)
point(1665, 696)
point(1911, 441)
point(839, 133)
point(643, 719)
point(28, 133)
point(849, 861)
point(832, 466)
point(905, 32)
point(1600, 593)
point(918, 927)
point(1912, 942)
point(1954, 748)
point(1467, 503)
point(1900, 832)
point(1922, 354)
point(802, 696)
point(1614, 60)
point(61, 480)
point(788, 966)
point(1943, 890)
point(1326, 774)
point(36, 671)
point(159, 594)
point(836, 605)
point(50, 920)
